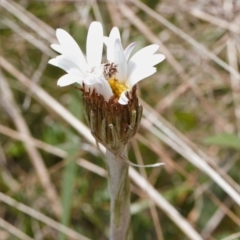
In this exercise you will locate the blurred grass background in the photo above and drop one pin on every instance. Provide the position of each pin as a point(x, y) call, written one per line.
point(57, 175)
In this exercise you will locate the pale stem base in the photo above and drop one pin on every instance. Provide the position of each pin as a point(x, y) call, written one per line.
point(119, 188)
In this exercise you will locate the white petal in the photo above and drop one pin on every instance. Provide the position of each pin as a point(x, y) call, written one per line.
point(144, 58)
point(145, 63)
point(120, 61)
point(57, 48)
point(123, 98)
point(110, 42)
point(67, 64)
point(150, 61)
point(94, 44)
point(100, 85)
point(93, 79)
point(66, 40)
point(106, 40)
point(110, 52)
point(155, 59)
point(68, 79)
point(129, 49)
point(114, 34)
point(140, 73)
point(69, 46)
point(144, 53)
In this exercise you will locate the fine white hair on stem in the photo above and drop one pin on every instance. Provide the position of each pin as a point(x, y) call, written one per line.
point(41, 217)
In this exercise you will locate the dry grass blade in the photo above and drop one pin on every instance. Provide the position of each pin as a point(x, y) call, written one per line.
point(50, 149)
point(142, 27)
point(13, 230)
point(215, 220)
point(92, 167)
point(184, 142)
point(224, 208)
point(153, 208)
point(187, 38)
point(11, 108)
point(234, 236)
point(235, 83)
point(39, 216)
point(29, 37)
point(29, 19)
point(172, 140)
point(169, 210)
point(32, 141)
point(215, 20)
point(47, 100)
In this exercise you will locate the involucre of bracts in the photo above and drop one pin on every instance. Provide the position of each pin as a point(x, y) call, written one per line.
point(111, 123)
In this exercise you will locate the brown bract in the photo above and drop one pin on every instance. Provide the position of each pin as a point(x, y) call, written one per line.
point(112, 124)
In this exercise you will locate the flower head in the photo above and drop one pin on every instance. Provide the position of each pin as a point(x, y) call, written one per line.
point(129, 71)
point(108, 89)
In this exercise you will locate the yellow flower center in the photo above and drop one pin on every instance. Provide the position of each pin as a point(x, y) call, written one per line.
point(117, 87)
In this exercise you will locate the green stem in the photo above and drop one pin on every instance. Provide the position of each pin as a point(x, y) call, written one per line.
point(119, 188)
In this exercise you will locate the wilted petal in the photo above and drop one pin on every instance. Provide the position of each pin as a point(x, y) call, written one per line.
point(120, 61)
point(94, 44)
point(68, 79)
point(100, 84)
point(123, 98)
point(140, 73)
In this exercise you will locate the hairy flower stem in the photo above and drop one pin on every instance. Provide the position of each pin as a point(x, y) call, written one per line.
point(119, 188)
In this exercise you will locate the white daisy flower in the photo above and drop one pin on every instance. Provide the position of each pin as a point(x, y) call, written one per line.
point(129, 71)
point(80, 70)
point(111, 79)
